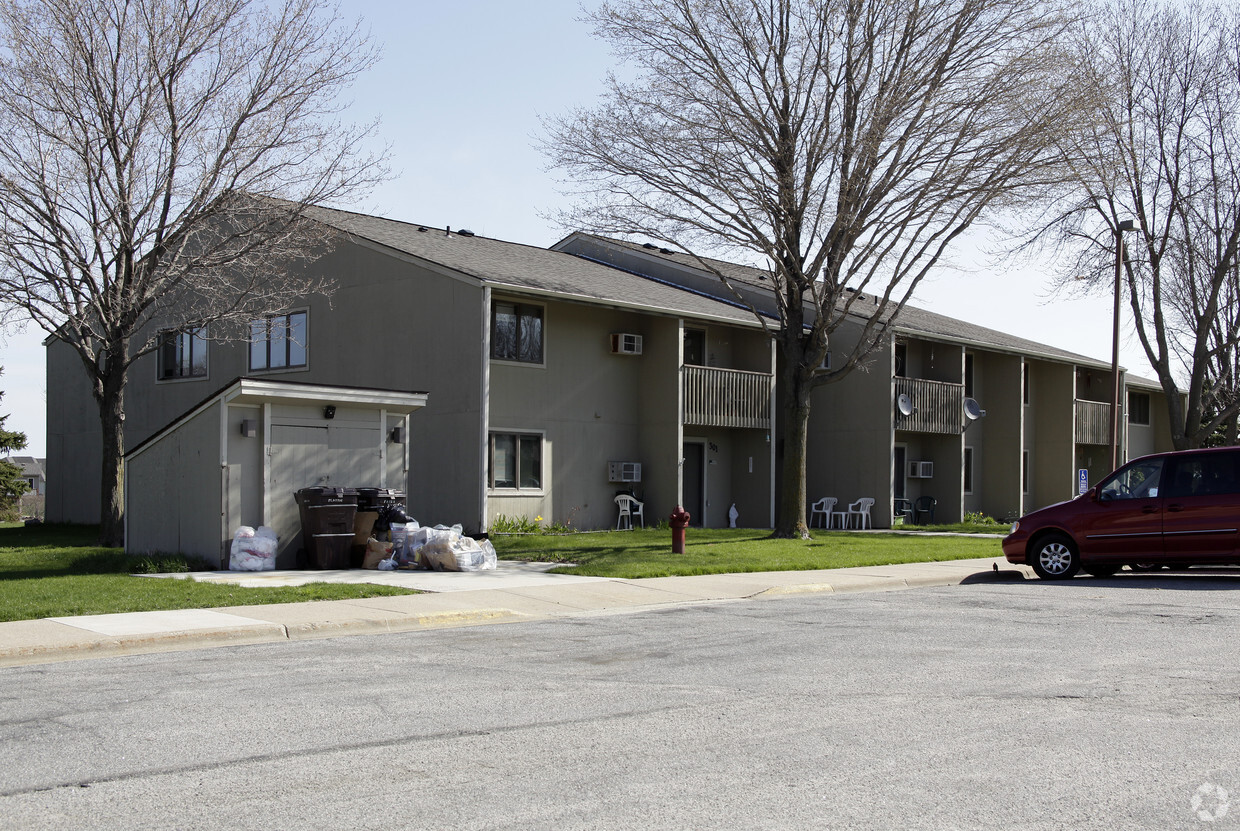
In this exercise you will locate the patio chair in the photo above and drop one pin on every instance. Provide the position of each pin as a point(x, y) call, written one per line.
point(823, 507)
point(902, 508)
point(861, 510)
point(629, 507)
point(924, 505)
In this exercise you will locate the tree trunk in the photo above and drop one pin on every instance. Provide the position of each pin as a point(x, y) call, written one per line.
point(790, 519)
point(112, 482)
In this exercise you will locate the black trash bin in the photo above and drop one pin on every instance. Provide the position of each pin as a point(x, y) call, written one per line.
point(386, 502)
point(327, 525)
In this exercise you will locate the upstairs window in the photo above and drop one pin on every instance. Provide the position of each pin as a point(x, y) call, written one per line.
point(517, 333)
point(278, 342)
point(183, 354)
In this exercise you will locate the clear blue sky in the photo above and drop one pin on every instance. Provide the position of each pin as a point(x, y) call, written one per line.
point(460, 90)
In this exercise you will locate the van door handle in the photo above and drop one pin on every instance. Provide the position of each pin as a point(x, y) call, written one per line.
point(1176, 508)
point(1150, 509)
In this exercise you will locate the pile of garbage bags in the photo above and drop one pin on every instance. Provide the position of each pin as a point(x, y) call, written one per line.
point(400, 544)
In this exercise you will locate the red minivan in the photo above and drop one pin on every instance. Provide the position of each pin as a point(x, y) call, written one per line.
point(1177, 509)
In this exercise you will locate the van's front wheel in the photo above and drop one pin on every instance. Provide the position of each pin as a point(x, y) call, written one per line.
point(1055, 557)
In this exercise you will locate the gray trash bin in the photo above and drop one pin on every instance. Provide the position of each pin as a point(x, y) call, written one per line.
point(327, 525)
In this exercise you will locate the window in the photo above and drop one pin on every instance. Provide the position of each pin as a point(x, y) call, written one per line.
point(1207, 474)
point(278, 342)
point(515, 461)
point(968, 374)
point(901, 360)
point(968, 470)
point(517, 333)
point(1024, 383)
point(1138, 408)
point(183, 354)
point(1137, 481)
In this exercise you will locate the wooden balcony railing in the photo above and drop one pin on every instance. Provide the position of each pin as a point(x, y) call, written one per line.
point(727, 397)
point(1093, 422)
point(938, 406)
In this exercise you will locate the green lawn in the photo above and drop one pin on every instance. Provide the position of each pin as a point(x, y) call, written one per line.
point(55, 571)
point(648, 553)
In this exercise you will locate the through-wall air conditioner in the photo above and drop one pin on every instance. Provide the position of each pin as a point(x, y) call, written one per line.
point(921, 470)
point(624, 471)
point(626, 344)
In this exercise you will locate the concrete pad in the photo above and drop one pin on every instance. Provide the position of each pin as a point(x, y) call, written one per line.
point(147, 623)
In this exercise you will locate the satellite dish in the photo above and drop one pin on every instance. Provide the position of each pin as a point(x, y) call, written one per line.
point(972, 410)
point(904, 405)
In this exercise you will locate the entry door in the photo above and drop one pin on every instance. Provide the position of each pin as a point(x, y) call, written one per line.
point(694, 489)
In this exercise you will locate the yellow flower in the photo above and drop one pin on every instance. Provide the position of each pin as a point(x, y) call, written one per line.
point(538, 519)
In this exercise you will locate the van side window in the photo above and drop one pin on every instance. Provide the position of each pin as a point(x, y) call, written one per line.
point(1207, 474)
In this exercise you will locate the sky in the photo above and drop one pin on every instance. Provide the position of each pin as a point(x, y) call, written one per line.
point(459, 93)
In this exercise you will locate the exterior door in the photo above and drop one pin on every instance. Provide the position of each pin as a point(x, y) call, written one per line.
point(694, 482)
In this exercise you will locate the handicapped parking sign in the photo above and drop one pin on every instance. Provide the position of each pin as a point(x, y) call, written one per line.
point(1082, 481)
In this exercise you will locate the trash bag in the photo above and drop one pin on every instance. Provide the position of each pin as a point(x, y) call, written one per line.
point(253, 550)
point(376, 552)
point(446, 549)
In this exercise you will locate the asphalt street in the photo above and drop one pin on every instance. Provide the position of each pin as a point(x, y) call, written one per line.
point(1027, 705)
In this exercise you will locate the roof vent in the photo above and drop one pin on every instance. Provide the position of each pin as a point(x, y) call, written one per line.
point(464, 232)
point(648, 245)
point(665, 251)
point(422, 229)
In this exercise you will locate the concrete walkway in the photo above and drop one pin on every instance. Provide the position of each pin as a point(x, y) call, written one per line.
point(513, 592)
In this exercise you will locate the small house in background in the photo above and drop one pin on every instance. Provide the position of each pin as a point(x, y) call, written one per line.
point(33, 471)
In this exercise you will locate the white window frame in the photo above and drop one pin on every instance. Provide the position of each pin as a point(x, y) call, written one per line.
point(518, 304)
point(266, 322)
point(160, 377)
point(544, 471)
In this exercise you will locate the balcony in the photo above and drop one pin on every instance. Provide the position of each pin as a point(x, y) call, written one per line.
point(727, 397)
point(1093, 422)
point(938, 406)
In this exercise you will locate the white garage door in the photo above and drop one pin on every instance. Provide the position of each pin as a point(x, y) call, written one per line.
point(333, 456)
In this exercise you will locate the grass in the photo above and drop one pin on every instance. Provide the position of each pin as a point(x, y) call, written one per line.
point(57, 571)
point(647, 553)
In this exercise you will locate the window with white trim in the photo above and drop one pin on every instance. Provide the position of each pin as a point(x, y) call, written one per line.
point(515, 461)
point(183, 354)
point(279, 341)
point(517, 332)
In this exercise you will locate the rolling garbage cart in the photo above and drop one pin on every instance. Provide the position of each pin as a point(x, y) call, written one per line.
point(327, 525)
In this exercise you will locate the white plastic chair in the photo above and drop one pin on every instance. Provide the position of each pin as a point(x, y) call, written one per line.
point(822, 507)
point(629, 508)
point(861, 510)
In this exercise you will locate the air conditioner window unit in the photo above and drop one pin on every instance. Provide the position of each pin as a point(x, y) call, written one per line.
point(624, 471)
point(626, 344)
point(921, 470)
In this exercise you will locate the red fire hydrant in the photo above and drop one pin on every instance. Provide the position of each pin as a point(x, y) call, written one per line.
point(679, 522)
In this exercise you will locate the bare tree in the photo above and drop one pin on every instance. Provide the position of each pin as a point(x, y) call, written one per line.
point(840, 143)
point(158, 157)
point(1164, 150)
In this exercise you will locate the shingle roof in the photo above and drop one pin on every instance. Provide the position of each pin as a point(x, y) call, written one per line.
point(913, 321)
point(528, 268)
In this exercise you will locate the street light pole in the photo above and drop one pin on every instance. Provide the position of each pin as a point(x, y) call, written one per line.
point(1126, 225)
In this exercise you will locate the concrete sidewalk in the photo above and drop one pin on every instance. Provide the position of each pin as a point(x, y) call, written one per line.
point(515, 592)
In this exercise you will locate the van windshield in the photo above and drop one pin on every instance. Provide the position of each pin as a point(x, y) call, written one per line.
point(1138, 480)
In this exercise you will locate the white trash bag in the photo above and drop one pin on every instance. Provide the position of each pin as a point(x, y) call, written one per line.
point(446, 549)
point(253, 550)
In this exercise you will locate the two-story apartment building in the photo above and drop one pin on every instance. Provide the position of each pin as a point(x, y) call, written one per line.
point(487, 378)
point(977, 420)
point(481, 377)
